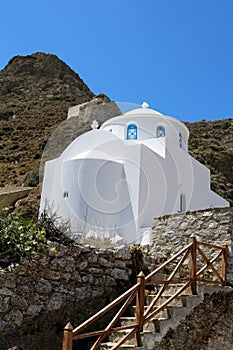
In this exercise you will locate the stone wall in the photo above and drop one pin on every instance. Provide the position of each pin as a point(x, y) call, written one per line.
point(70, 283)
point(170, 233)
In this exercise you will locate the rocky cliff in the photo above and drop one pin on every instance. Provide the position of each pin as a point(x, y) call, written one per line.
point(35, 94)
point(211, 143)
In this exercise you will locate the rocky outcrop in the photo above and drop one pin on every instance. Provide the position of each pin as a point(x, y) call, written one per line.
point(35, 94)
point(208, 327)
point(211, 143)
point(79, 121)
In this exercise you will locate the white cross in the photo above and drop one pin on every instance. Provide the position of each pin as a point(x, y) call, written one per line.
point(145, 105)
point(94, 124)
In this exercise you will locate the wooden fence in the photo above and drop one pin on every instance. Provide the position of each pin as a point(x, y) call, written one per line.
point(189, 261)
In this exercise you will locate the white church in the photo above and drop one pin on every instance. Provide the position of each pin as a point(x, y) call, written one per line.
point(117, 178)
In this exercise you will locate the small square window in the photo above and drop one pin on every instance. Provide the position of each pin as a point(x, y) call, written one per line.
point(65, 194)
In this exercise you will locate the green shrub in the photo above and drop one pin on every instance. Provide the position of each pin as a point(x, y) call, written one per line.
point(19, 238)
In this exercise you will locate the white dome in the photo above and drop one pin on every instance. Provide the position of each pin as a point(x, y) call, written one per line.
point(147, 121)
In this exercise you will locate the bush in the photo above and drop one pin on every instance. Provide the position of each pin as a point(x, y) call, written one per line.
point(19, 238)
point(56, 229)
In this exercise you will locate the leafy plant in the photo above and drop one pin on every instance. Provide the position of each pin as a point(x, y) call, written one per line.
point(55, 227)
point(19, 237)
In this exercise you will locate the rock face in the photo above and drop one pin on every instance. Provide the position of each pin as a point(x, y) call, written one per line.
point(79, 121)
point(39, 83)
point(38, 298)
point(211, 143)
point(35, 94)
point(208, 327)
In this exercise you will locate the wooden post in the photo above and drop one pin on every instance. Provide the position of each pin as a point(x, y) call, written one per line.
point(140, 299)
point(224, 263)
point(193, 264)
point(68, 337)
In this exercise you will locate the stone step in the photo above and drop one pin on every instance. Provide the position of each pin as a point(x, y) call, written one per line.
point(161, 314)
point(158, 277)
point(177, 312)
point(191, 301)
point(124, 321)
point(152, 326)
point(116, 336)
point(179, 301)
point(173, 288)
point(109, 345)
point(161, 326)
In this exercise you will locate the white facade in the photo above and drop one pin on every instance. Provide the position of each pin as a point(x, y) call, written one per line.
point(116, 179)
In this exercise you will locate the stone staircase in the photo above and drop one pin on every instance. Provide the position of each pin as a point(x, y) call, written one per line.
point(169, 318)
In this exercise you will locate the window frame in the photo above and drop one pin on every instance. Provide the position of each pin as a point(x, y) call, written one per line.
point(160, 128)
point(132, 126)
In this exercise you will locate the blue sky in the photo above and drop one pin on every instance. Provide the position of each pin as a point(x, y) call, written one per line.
point(175, 54)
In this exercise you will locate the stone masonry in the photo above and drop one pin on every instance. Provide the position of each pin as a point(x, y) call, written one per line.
point(170, 233)
point(37, 298)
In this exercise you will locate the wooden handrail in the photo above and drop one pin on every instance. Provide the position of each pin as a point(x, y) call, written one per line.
point(169, 280)
point(193, 251)
point(161, 267)
point(209, 245)
point(168, 301)
point(224, 262)
point(97, 333)
point(140, 300)
point(114, 320)
point(193, 265)
point(105, 309)
point(209, 263)
point(68, 337)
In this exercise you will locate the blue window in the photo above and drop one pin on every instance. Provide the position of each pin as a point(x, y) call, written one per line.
point(160, 132)
point(132, 132)
point(180, 140)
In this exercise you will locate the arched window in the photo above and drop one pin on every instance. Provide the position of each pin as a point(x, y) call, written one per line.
point(160, 131)
point(132, 132)
point(180, 140)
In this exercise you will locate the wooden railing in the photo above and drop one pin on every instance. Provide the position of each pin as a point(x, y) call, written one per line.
point(189, 259)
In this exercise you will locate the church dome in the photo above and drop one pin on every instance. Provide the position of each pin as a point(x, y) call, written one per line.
point(145, 123)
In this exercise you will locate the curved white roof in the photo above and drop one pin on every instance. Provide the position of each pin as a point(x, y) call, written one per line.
point(144, 112)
